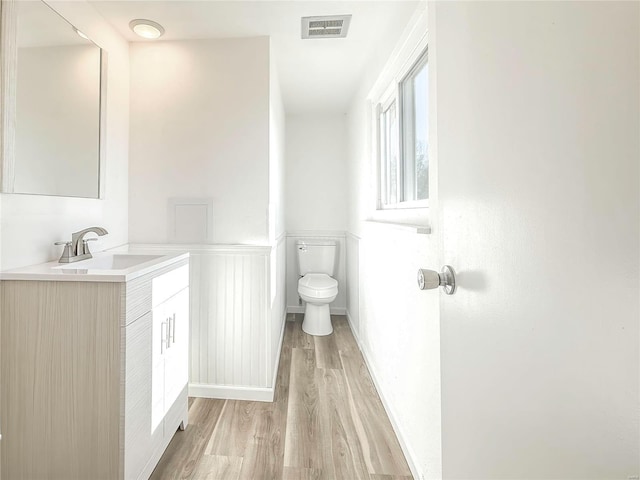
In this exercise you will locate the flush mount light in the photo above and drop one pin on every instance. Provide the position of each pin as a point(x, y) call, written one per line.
point(146, 28)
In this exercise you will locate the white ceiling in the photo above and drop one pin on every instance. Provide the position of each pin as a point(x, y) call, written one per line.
point(315, 75)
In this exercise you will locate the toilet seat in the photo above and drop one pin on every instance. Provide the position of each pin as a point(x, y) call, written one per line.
point(318, 285)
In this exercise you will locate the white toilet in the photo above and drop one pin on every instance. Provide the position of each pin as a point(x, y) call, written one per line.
point(316, 263)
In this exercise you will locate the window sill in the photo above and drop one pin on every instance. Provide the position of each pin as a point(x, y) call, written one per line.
point(407, 227)
point(417, 205)
point(413, 217)
point(415, 220)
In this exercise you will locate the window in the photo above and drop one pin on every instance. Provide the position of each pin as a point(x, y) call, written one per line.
point(403, 142)
point(414, 132)
point(389, 153)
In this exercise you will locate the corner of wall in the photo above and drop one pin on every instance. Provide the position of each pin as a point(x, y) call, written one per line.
point(277, 127)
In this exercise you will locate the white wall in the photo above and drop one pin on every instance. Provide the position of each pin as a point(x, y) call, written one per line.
point(277, 166)
point(316, 172)
point(396, 324)
point(30, 224)
point(200, 129)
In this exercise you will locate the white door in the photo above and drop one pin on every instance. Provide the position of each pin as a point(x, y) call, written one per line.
point(538, 157)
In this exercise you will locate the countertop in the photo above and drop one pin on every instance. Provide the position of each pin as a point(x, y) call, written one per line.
point(79, 272)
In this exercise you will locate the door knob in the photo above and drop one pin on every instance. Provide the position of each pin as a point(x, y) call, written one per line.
point(428, 279)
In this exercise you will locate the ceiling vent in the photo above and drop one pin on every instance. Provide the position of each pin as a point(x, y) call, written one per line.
point(334, 26)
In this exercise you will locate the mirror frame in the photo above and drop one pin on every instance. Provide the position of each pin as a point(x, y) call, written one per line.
point(8, 70)
point(8, 80)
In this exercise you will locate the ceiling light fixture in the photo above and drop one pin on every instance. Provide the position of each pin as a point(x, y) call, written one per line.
point(146, 28)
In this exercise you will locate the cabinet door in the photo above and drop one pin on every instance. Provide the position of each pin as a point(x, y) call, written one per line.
point(140, 435)
point(159, 351)
point(177, 355)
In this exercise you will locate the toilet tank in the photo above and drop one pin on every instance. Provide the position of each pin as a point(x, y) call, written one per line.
point(316, 256)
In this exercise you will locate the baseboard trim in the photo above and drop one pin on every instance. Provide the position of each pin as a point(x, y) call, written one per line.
point(406, 449)
point(277, 363)
point(333, 310)
point(354, 331)
point(229, 392)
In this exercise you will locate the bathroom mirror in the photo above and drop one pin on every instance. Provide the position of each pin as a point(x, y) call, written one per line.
point(58, 106)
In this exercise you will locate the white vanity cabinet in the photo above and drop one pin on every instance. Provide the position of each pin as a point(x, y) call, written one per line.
point(94, 374)
point(157, 360)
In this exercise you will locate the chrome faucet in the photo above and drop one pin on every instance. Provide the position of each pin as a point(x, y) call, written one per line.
point(78, 248)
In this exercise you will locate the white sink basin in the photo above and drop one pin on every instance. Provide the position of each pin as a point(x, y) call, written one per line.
point(109, 262)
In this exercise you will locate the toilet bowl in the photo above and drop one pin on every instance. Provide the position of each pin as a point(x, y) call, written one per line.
point(318, 290)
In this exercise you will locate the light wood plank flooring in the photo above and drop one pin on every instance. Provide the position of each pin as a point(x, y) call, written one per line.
point(326, 423)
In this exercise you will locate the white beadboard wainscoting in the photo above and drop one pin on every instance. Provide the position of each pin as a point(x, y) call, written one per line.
point(237, 318)
point(339, 305)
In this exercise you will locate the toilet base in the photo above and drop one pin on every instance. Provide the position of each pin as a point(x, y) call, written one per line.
point(317, 320)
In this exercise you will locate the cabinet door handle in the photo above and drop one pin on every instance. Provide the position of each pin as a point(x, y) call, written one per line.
point(168, 337)
point(173, 330)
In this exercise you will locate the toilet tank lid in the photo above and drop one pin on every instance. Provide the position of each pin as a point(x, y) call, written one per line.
point(318, 242)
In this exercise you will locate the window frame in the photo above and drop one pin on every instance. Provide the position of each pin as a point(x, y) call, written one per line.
point(382, 181)
point(418, 64)
point(394, 93)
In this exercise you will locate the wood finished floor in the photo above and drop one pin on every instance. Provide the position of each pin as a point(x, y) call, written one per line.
point(326, 422)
